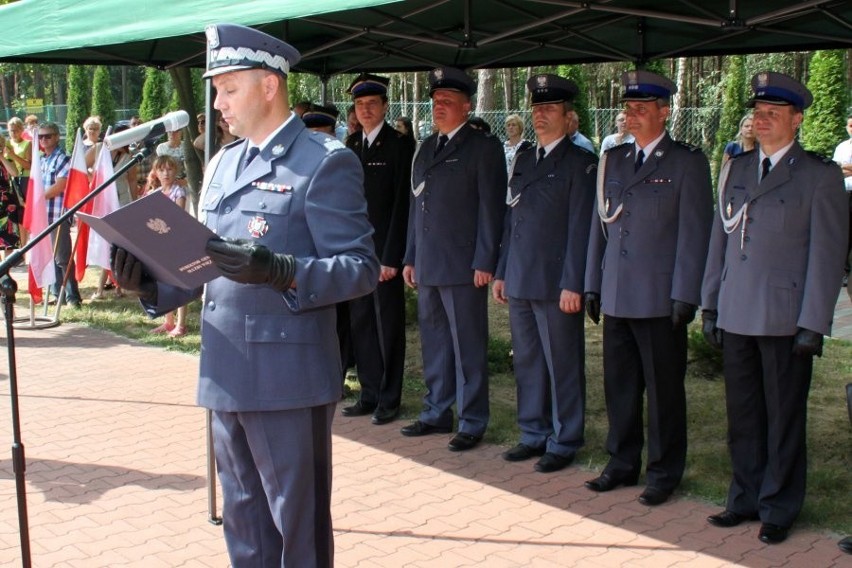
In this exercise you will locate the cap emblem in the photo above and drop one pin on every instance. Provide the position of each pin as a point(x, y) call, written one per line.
point(439, 74)
point(212, 37)
point(541, 81)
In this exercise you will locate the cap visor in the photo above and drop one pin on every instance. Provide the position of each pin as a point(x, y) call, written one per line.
point(226, 69)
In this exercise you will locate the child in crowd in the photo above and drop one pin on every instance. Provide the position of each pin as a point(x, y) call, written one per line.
point(163, 177)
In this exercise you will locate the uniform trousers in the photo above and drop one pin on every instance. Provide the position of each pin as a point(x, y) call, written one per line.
point(275, 471)
point(766, 393)
point(378, 340)
point(454, 341)
point(549, 360)
point(645, 354)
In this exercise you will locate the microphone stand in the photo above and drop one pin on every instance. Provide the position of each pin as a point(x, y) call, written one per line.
point(8, 288)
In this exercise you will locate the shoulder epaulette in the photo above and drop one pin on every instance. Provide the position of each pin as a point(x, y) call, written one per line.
point(326, 141)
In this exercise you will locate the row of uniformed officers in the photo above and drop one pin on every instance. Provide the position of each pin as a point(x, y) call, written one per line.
point(765, 269)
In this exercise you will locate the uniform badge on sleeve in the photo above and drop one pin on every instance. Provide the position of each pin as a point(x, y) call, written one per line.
point(257, 226)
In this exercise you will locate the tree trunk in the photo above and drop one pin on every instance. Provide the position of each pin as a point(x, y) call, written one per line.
point(484, 91)
point(680, 98)
point(182, 80)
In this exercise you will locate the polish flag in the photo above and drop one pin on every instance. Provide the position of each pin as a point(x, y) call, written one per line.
point(41, 267)
point(77, 186)
point(94, 250)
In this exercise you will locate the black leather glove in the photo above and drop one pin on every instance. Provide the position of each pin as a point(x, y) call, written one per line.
point(807, 343)
point(131, 275)
point(712, 334)
point(246, 262)
point(682, 313)
point(593, 306)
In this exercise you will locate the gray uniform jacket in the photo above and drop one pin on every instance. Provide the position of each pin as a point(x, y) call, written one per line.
point(303, 195)
point(654, 252)
point(457, 206)
point(784, 271)
point(545, 236)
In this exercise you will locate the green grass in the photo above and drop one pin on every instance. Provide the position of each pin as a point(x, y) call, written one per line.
point(708, 466)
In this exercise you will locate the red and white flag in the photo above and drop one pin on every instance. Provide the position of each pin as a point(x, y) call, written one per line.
point(41, 267)
point(104, 203)
point(77, 186)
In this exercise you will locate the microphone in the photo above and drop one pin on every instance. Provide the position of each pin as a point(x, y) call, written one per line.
point(151, 130)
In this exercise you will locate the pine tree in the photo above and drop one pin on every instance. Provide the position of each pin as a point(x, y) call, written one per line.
point(825, 121)
point(155, 100)
point(733, 107)
point(577, 73)
point(103, 103)
point(78, 103)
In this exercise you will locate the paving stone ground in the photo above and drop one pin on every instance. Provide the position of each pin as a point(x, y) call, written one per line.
point(116, 476)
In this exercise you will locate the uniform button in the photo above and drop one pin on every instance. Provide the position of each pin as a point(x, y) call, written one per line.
point(624, 253)
point(517, 236)
point(211, 305)
point(262, 205)
point(627, 213)
point(283, 335)
point(625, 233)
point(425, 229)
point(312, 297)
point(743, 257)
point(228, 209)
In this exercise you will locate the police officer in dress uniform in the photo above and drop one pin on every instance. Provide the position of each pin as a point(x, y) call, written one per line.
point(458, 186)
point(378, 319)
point(322, 118)
point(773, 275)
point(289, 206)
point(540, 274)
point(647, 249)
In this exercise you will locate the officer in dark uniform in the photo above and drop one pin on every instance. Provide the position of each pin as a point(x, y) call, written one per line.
point(458, 184)
point(322, 118)
point(378, 319)
point(647, 249)
point(773, 275)
point(540, 274)
point(290, 204)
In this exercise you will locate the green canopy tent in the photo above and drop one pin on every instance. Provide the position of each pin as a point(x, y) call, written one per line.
point(339, 36)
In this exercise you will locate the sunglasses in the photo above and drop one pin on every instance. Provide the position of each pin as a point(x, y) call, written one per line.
point(46, 135)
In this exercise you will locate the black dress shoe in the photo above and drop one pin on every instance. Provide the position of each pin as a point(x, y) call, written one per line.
point(653, 496)
point(845, 545)
point(522, 452)
point(772, 534)
point(727, 519)
point(419, 428)
point(384, 415)
point(463, 441)
point(606, 482)
point(551, 462)
point(358, 409)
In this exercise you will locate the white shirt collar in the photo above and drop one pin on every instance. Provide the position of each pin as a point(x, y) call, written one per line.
point(650, 146)
point(549, 147)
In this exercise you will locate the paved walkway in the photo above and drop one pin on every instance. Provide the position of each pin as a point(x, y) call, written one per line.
point(116, 477)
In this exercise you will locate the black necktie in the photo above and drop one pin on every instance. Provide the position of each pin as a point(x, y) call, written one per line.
point(767, 164)
point(540, 156)
point(640, 159)
point(250, 155)
point(364, 147)
point(442, 141)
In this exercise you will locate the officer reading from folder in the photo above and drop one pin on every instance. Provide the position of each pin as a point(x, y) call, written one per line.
point(289, 206)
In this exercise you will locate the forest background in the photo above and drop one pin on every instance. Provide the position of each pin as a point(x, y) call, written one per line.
point(712, 92)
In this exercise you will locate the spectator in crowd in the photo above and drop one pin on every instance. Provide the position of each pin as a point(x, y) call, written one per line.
point(745, 141)
point(223, 132)
point(269, 366)
point(11, 211)
point(575, 135)
point(646, 258)
point(198, 143)
point(770, 287)
point(404, 126)
point(540, 275)
point(91, 131)
point(163, 178)
point(135, 121)
point(378, 319)
point(30, 124)
point(18, 150)
point(352, 125)
point(55, 167)
point(620, 136)
point(515, 141)
point(173, 147)
point(842, 154)
point(479, 123)
point(455, 225)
